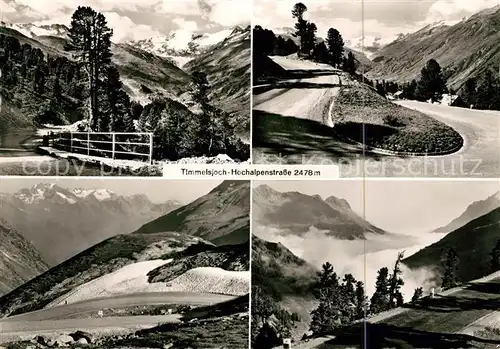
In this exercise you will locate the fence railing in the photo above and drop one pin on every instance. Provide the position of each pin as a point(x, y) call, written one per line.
point(114, 145)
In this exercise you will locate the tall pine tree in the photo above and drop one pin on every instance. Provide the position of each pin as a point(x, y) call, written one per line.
point(395, 283)
point(450, 277)
point(90, 43)
point(380, 299)
point(335, 45)
point(301, 25)
point(431, 85)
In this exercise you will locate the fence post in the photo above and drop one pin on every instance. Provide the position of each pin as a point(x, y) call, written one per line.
point(151, 148)
point(114, 140)
point(88, 143)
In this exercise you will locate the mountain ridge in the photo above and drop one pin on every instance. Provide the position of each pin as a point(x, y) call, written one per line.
point(85, 216)
point(201, 217)
point(19, 259)
point(294, 213)
point(465, 49)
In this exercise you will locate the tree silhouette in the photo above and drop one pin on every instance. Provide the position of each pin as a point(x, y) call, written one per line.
point(380, 299)
point(495, 257)
point(431, 84)
point(450, 278)
point(395, 283)
point(301, 25)
point(90, 42)
point(419, 292)
point(335, 307)
point(350, 64)
point(335, 45)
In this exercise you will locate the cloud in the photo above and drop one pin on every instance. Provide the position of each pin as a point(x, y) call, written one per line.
point(360, 258)
point(228, 12)
point(456, 9)
point(124, 29)
point(6, 7)
point(187, 25)
point(384, 19)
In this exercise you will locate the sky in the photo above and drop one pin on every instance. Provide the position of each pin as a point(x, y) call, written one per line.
point(137, 19)
point(383, 19)
point(399, 206)
point(157, 190)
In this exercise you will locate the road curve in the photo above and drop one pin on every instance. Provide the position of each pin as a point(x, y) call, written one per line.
point(56, 319)
point(290, 127)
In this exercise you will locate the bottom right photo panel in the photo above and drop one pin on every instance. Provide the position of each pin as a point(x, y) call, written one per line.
point(375, 264)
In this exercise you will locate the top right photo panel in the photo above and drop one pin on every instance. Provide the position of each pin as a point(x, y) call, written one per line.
point(379, 88)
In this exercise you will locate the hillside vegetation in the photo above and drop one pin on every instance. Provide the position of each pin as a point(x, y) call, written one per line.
point(132, 90)
point(473, 244)
point(466, 49)
point(227, 65)
point(103, 258)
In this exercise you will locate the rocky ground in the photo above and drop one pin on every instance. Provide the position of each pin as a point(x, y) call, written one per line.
point(220, 332)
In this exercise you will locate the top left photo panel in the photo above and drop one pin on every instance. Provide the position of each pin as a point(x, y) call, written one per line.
point(123, 88)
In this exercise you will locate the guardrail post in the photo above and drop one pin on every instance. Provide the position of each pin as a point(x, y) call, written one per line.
point(150, 148)
point(114, 140)
point(88, 143)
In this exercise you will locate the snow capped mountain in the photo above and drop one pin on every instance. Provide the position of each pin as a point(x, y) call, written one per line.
point(32, 30)
point(53, 218)
point(99, 194)
point(182, 45)
point(54, 194)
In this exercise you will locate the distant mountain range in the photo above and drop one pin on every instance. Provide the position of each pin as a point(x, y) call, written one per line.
point(465, 50)
point(473, 211)
point(182, 49)
point(295, 213)
point(62, 222)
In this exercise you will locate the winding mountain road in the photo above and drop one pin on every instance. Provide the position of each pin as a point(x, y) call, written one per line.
point(59, 319)
point(292, 126)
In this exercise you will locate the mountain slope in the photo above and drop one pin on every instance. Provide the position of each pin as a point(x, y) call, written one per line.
point(473, 243)
point(227, 65)
point(137, 67)
point(221, 216)
point(61, 222)
point(465, 49)
point(294, 213)
point(19, 260)
point(286, 279)
point(473, 211)
point(99, 260)
point(278, 272)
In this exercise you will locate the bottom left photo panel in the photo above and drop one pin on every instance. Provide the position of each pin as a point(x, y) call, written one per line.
point(124, 263)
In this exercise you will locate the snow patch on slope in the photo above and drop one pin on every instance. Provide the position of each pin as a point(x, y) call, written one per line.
point(129, 279)
point(212, 280)
point(70, 200)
